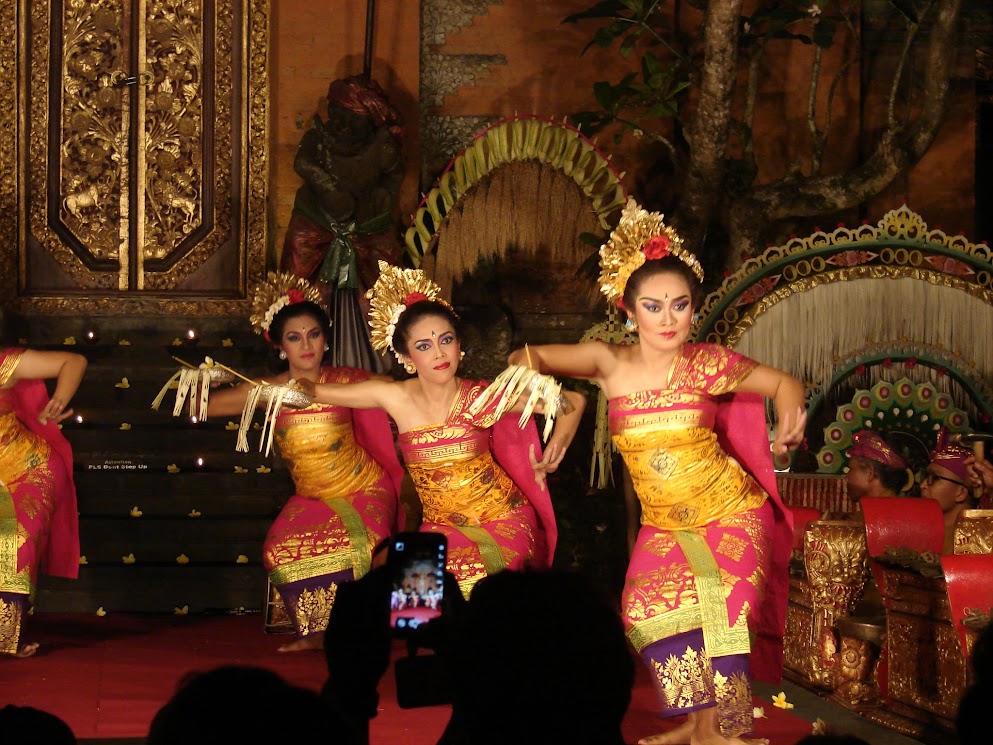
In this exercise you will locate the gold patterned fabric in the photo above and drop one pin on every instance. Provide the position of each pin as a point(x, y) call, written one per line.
point(681, 475)
point(456, 477)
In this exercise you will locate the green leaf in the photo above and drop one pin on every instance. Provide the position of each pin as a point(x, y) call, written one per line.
point(824, 33)
point(604, 9)
point(627, 45)
point(651, 69)
point(603, 37)
point(638, 6)
point(591, 239)
point(663, 110)
point(605, 94)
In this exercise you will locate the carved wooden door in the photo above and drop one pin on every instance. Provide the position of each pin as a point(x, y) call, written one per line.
point(140, 159)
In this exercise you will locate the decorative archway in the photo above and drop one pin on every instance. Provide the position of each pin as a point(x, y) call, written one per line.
point(526, 186)
point(848, 309)
point(904, 408)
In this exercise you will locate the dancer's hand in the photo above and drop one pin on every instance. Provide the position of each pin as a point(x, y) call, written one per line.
point(54, 411)
point(307, 386)
point(789, 436)
point(549, 462)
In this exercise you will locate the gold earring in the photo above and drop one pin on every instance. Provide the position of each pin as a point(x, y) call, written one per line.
point(410, 367)
point(461, 355)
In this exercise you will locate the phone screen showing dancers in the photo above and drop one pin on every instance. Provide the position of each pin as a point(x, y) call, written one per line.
point(417, 567)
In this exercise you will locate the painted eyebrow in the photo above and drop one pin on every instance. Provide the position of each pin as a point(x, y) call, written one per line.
point(656, 300)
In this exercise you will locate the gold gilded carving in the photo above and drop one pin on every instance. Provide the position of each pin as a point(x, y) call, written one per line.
point(836, 559)
point(92, 115)
point(134, 195)
point(173, 124)
point(927, 671)
point(974, 532)
point(855, 666)
point(797, 636)
point(8, 143)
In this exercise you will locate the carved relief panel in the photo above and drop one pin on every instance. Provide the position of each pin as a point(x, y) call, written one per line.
point(141, 151)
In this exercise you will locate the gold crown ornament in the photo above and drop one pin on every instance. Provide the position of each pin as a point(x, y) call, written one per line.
point(640, 236)
point(395, 291)
point(275, 293)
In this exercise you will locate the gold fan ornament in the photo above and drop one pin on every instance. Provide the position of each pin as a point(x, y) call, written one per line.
point(395, 291)
point(275, 293)
point(640, 236)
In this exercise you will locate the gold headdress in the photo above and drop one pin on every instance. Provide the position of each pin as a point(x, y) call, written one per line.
point(278, 291)
point(394, 291)
point(639, 236)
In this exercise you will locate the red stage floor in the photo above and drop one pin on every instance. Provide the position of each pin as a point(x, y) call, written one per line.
point(107, 676)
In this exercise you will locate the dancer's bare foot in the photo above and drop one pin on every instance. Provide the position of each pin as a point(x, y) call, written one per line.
point(700, 728)
point(718, 740)
point(679, 736)
point(311, 641)
point(26, 650)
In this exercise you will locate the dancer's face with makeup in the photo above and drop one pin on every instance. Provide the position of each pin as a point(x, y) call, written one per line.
point(663, 309)
point(434, 349)
point(303, 341)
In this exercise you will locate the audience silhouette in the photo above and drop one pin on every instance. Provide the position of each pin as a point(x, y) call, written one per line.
point(240, 704)
point(29, 726)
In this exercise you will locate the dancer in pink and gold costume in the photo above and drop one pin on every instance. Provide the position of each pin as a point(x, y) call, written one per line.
point(39, 529)
point(343, 465)
point(708, 567)
point(478, 477)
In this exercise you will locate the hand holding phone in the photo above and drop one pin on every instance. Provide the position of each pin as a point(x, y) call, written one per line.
point(417, 568)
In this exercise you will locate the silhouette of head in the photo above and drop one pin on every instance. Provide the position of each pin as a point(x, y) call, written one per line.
point(29, 726)
point(239, 704)
point(547, 641)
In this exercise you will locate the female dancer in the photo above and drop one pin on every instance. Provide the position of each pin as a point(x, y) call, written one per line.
point(39, 528)
point(477, 476)
point(714, 533)
point(343, 465)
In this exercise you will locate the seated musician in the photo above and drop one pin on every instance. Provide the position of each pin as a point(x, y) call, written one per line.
point(875, 469)
point(948, 482)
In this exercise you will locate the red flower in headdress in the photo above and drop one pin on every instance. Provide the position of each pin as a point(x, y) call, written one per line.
point(657, 247)
point(414, 297)
point(294, 296)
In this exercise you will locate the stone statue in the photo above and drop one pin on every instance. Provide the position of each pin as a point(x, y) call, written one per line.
point(342, 223)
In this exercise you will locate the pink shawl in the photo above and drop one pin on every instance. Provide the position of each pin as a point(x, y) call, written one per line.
point(741, 432)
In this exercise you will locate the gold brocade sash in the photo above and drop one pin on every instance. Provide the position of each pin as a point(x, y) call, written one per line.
point(323, 457)
point(456, 478)
point(681, 475)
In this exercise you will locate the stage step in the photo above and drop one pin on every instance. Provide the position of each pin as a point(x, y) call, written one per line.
point(170, 515)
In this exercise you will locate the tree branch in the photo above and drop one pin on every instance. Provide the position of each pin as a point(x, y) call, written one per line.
point(896, 152)
point(711, 122)
point(815, 134)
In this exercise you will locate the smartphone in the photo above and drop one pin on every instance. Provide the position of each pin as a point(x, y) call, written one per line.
point(417, 568)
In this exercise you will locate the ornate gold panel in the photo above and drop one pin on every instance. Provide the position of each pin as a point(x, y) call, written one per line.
point(141, 152)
